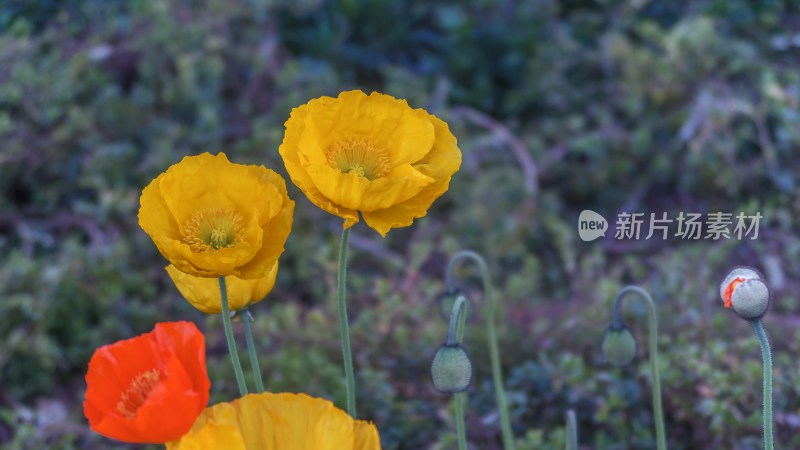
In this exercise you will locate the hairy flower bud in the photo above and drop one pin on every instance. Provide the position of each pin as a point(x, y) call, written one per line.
point(619, 345)
point(451, 369)
point(745, 291)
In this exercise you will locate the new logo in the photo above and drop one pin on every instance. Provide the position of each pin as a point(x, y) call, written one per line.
point(591, 225)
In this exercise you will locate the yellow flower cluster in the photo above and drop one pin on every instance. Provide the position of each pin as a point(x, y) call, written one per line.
point(371, 155)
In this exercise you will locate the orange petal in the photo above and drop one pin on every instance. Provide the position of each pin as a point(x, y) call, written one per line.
point(729, 291)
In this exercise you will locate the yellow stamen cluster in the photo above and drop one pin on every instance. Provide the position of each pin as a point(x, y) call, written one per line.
point(360, 157)
point(134, 397)
point(213, 229)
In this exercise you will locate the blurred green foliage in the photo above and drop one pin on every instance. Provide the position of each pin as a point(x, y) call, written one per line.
point(640, 106)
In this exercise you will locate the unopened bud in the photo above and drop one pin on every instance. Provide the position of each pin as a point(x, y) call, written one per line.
point(745, 291)
point(619, 345)
point(451, 369)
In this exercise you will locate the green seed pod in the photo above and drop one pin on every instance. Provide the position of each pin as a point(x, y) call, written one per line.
point(745, 291)
point(451, 369)
point(619, 345)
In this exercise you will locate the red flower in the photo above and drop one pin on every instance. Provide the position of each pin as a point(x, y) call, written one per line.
point(151, 388)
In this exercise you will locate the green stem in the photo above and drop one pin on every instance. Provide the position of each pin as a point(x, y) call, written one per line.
point(458, 319)
point(226, 323)
point(766, 356)
point(461, 430)
point(661, 440)
point(572, 431)
point(350, 381)
point(251, 350)
point(494, 352)
point(455, 333)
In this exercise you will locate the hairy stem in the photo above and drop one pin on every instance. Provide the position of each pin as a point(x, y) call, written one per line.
point(344, 326)
point(251, 350)
point(226, 323)
point(494, 352)
point(461, 430)
point(661, 440)
point(766, 356)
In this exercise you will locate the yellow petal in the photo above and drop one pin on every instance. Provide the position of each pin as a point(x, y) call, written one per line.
point(282, 422)
point(278, 230)
point(155, 218)
point(402, 184)
point(440, 164)
point(444, 159)
point(204, 293)
point(369, 154)
point(345, 189)
point(216, 428)
point(222, 262)
point(390, 123)
point(290, 152)
point(212, 436)
point(210, 217)
point(358, 193)
point(366, 436)
point(206, 181)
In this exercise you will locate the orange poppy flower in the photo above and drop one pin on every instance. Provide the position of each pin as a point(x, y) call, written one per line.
point(151, 388)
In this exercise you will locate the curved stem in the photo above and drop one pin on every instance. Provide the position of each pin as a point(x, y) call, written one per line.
point(766, 356)
point(344, 326)
point(661, 440)
point(251, 350)
point(226, 323)
point(458, 319)
point(461, 430)
point(572, 431)
point(494, 352)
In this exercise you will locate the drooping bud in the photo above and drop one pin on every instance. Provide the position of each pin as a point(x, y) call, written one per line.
point(745, 291)
point(451, 369)
point(619, 345)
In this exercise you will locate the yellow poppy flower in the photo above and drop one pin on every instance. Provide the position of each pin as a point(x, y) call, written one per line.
point(203, 293)
point(369, 154)
point(278, 422)
point(210, 217)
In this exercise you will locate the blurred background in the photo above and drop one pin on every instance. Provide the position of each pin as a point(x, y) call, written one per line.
point(637, 106)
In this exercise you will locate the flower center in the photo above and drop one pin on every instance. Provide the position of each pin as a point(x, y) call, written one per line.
point(213, 229)
point(360, 157)
point(729, 291)
point(134, 397)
